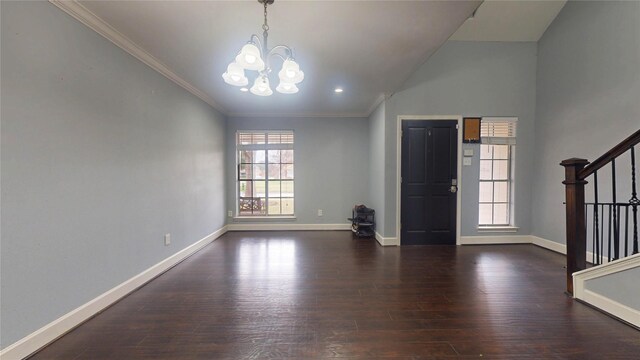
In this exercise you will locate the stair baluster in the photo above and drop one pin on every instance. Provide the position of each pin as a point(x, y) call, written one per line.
point(576, 172)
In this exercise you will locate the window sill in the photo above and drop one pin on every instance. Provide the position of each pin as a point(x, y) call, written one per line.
point(261, 218)
point(498, 229)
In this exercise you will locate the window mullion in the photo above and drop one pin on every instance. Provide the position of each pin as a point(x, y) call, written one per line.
point(493, 183)
point(493, 201)
point(266, 181)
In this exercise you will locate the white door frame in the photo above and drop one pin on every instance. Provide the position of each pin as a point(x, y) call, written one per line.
point(399, 167)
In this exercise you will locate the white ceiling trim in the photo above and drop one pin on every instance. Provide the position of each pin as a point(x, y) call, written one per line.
point(371, 109)
point(82, 14)
point(373, 106)
point(299, 115)
point(376, 103)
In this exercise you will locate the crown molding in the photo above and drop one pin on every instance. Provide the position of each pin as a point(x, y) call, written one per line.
point(91, 20)
point(376, 103)
point(298, 115)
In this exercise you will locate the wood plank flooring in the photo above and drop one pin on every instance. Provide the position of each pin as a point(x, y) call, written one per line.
point(322, 294)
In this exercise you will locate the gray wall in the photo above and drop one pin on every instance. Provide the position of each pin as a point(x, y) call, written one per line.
point(376, 165)
point(621, 287)
point(331, 165)
point(588, 92)
point(101, 156)
point(470, 79)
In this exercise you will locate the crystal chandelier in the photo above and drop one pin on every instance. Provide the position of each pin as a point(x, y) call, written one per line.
point(256, 56)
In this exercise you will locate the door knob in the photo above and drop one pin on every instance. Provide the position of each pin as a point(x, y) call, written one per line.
point(454, 186)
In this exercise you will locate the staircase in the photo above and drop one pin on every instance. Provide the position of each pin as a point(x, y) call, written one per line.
point(607, 226)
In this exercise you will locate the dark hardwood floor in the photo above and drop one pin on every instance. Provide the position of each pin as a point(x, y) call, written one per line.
point(311, 295)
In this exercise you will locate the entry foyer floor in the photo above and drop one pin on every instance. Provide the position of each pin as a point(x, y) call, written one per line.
point(313, 295)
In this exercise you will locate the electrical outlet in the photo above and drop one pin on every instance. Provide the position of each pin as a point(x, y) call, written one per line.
point(167, 239)
point(230, 213)
point(319, 212)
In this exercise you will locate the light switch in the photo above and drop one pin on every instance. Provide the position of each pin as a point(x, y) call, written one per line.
point(468, 152)
point(466, 161)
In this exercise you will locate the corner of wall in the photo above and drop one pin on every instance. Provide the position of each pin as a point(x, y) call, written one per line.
point(387, 241)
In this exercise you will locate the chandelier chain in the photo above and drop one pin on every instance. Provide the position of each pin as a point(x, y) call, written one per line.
point(265, 26)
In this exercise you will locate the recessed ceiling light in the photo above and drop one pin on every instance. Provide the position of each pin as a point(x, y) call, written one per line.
point(244, 89)
point(338, 90)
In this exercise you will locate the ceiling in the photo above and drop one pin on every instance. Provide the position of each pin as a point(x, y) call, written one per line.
point(509, 21)
point(369, 48)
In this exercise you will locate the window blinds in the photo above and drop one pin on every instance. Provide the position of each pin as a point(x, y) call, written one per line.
point(498, 131)
point(261, 140)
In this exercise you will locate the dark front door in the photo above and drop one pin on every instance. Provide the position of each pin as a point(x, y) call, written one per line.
point(429, 182)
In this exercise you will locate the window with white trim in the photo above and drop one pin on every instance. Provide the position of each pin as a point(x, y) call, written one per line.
point(498, 140)
point(265, 173)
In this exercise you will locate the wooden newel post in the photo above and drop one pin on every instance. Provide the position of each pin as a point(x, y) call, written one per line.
point(576, 227)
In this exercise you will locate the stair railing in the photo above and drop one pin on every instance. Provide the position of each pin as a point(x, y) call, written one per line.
point(577, 170)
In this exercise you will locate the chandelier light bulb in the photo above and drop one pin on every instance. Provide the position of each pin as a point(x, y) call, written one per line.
point(291, 72)
point(235, 75)
point(249, 58)
point(261, 86)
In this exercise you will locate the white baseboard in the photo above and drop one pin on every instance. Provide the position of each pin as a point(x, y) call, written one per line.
point(548, 244)
point(495, 239)
point(561, 248)
point(387, 241)
point(600, 301)
point(621, 311)
point(50, 332)
point(514, 239)
point(285, 226)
